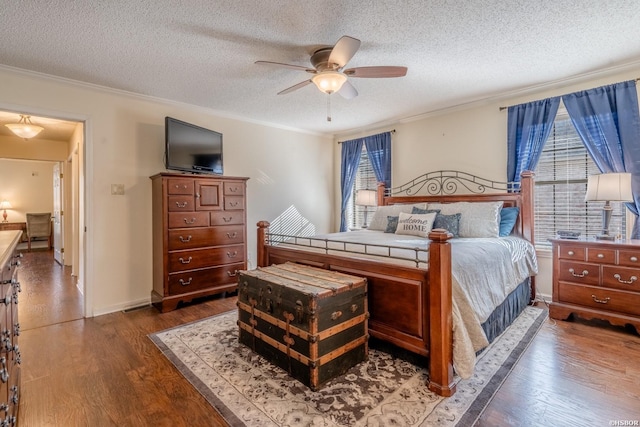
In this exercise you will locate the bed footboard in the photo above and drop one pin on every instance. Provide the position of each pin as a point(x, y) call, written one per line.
point(409, 307)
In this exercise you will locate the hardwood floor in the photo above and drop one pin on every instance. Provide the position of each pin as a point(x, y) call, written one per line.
point(105, 371)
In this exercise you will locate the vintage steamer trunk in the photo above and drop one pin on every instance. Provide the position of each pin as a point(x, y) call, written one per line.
point(309, 321)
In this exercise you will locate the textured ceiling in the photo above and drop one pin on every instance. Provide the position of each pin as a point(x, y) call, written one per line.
point(202, 52)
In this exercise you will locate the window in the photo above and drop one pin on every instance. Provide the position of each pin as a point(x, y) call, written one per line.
point(365, 180)
point(560, 187)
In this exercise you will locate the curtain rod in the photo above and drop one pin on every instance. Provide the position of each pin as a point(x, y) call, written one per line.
point(504, 108)
point(391, 131)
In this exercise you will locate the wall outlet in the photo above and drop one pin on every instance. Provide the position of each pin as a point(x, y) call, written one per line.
point(117, 189)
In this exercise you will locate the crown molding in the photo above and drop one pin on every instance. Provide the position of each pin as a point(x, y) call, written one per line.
point(149, 98)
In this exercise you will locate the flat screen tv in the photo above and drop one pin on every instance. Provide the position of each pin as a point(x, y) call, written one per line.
point(191, 148)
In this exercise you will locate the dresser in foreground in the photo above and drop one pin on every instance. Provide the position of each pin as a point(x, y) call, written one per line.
point(597, 279)
point(199, 236)
point(9, 328)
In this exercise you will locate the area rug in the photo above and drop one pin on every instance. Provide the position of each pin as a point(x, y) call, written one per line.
point(382, 391)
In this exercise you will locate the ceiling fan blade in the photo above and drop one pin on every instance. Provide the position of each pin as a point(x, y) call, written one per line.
point(293, 67)
point(344, 50)
point(295, 87)
point(376, 72)
point(347, 91)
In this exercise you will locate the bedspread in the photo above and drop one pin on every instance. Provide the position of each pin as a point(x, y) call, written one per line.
point(484, 272)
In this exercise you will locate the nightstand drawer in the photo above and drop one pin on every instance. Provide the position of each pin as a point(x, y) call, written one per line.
point(579, 272)
point(606, 256)
point(600, 298)
point(629, 258)
point(623, 278)
point(568, 251)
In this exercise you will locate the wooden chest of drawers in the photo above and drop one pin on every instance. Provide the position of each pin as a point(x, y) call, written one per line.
point(199, 236)
point(597, 279)
point(9, 328)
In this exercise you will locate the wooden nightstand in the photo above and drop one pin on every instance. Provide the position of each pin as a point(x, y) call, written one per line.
point(597, 279)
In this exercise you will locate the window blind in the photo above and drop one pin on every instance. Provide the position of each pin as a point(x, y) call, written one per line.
point(365, 180)
point(561, 185)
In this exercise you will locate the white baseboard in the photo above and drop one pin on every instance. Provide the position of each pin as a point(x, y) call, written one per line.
point(122, 306)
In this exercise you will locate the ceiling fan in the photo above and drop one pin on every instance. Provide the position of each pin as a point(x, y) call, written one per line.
point(328, 73)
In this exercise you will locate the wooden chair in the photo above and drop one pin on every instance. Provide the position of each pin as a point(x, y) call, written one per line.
point(38, 225)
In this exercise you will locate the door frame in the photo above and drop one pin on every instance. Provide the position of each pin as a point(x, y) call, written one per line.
point(85, 196)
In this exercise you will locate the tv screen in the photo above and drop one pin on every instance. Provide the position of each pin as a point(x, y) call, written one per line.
point(191, 148)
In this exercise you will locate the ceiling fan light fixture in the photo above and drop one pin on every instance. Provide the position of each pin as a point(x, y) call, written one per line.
point(329, 81)
point(24, 128)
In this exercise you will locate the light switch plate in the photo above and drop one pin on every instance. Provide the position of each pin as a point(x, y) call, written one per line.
point(117, 189)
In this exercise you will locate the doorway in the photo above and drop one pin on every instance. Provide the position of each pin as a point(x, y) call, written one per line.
point(60, 145)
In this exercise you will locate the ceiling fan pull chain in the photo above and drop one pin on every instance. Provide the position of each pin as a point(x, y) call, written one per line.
point(328, 107)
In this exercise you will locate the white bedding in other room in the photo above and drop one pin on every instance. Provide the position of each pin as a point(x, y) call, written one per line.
point(484, 270)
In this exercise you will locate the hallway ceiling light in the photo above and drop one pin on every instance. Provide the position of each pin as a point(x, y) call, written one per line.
point(24, 128)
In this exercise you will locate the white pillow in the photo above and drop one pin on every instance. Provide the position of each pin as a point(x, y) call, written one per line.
point(479, 219)
point(415, 224)
point(379, 220)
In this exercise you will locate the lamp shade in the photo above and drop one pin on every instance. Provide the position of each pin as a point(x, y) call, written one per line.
point(5, 204)
point(609, 187)
point(24, 128)
point(366, 198)
point(329, 81)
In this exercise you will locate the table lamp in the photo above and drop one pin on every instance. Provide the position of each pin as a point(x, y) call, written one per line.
point(366, 198)
point(608, 187)
point(4, 205)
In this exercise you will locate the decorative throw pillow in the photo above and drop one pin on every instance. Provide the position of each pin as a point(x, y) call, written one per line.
point(379, 219)
point(508, 217)
point(479, 219)
point(451, 223)
point(415, 224)
point(417, 210)
point(392, 224)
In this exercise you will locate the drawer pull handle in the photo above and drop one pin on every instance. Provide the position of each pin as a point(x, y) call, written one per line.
point(336, 314)
point(628, 282)
point(573, 273)
point(233, 204)
point(571, 253)
point(232, 274)
point(600, 301)
point(184, 186)
point(232, 235)
point(633, 259)
point(189, 221)
point(232, 254)
point(600, 256)
point(187, 240)
point(227, 219)
point(188, 282)
point(185, 261)
point(182, 205)
point(233, 189)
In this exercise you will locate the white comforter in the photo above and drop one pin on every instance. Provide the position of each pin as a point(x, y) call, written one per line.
point(484, 270)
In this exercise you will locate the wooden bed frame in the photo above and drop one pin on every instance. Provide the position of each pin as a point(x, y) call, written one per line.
point(411, 307)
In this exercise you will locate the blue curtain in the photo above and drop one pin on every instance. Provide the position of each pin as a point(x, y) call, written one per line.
point(379, 152)
point(350, 161)
point(528, 127)
point(608, 122)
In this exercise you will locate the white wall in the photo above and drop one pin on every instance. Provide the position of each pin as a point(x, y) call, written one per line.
point(28, 186)
point(125, 144)
point(472, 139)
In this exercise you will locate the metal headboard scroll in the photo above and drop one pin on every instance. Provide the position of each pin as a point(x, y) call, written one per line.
point(447, 182)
